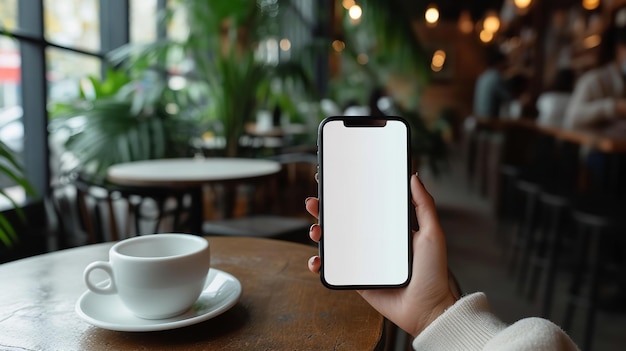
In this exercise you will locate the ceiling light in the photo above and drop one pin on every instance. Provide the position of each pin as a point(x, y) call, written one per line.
point(339, 45)
point(591, 4)
point(491, 22)
point(285, 44)
point(522, 4)
point(355, 12)
point(486, 36)
point(431, 15)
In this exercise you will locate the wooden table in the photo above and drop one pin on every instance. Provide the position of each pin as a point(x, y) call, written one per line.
point(607, 138)
point(283, 306)
point(192, 174)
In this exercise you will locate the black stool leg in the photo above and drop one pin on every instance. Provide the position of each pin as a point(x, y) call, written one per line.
point(554, 242)
point(577, 279)
point(594, 269)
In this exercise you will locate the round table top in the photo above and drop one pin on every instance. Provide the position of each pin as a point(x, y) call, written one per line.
point(283, 306)
point(190, 171)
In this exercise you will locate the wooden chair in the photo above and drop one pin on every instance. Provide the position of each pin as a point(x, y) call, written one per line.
point(87, 210)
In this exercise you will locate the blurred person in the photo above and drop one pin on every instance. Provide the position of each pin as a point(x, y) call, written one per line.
point(599, 94)
point(491, 90)
point(552, 103)
point(518, 97)
point(430, 309)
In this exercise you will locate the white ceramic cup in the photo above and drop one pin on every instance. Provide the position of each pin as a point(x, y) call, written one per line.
point(156, 276)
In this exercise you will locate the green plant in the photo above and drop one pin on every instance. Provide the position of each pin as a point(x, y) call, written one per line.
point(116, 120)
point(386, 36)
point(225, 83)
point(10, 168)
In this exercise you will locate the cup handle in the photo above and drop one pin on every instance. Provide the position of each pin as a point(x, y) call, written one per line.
point(106, 267)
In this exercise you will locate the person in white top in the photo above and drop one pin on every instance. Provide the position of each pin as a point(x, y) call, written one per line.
point(428, 307)
point(599, 94)
point(553, 102)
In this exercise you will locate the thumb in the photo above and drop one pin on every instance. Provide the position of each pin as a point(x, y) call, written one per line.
point(425, 210)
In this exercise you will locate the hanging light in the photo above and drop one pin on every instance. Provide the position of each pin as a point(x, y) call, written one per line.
point(431, 15)
point(465, 22)
point(591, 4)
point(522, 4)
point(338, 45)
point(491, 22)
point(355, 12)
point(285, 44)
point(438, 60)
point(486, 36)
point(347, 4)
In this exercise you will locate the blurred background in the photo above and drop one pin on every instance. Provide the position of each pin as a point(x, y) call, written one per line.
point(86, 84)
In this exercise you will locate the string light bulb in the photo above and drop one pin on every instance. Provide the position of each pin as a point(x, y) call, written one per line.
point(591, 4)
point(491, 22)
point(431, 15)
point(355, 12)
point(522, 4)
point(486, 36)
point(438, 60)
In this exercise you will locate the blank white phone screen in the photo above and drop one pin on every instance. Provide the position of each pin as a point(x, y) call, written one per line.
point(365, 202)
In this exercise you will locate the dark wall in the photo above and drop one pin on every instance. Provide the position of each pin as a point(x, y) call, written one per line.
point(32, 233)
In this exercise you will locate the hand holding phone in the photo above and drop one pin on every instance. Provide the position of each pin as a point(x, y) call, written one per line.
point(364, 202)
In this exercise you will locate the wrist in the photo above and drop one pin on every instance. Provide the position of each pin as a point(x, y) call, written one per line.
point(439, 309)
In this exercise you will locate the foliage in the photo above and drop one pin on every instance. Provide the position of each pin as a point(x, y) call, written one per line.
point(10, 168)
point(385, 34)
point(115, 120)
point(225, 83)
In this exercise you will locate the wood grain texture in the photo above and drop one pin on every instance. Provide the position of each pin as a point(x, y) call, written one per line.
point(283, 305)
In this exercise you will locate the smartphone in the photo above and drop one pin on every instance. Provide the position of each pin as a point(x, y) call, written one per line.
point(364, 172)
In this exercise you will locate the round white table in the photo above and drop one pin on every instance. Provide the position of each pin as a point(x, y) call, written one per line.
point(192, 174)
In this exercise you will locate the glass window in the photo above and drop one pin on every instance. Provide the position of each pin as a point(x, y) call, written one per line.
point(73, 23)
point(143, 21)
point(65, 71)
point(11, 126)
point(8, 14)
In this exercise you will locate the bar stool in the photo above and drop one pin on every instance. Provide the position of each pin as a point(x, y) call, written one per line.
point(519, 246)
point(595, 234)
point(553, 223)
point(506, 207)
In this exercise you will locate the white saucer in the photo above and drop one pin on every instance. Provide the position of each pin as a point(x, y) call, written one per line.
point(222, 291)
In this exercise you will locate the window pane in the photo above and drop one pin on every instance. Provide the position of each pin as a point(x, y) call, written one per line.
point(73, 23)
point(143, 21)
point(11, 126)
point(8, 14)
point(65, 71)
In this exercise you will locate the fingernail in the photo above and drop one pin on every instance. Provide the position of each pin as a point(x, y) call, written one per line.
point(312, 226)
point(417, 174)
point(313, 260)
point(307, 200)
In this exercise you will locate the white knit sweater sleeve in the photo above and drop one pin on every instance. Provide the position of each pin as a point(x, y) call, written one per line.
point(469, 325)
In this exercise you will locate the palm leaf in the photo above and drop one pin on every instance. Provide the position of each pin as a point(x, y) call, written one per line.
point(14, 171)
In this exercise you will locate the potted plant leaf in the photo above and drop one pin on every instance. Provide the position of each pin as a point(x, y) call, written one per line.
point(11, 169)
point(117, 119)
point(226, 83)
